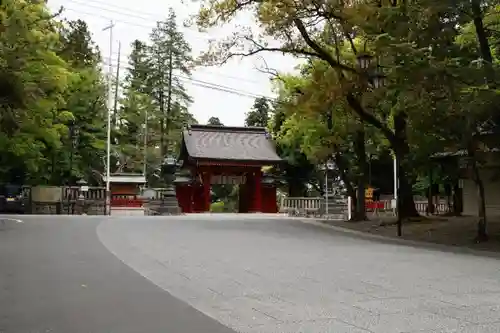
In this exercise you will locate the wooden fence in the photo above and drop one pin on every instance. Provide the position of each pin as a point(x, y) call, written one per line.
point(65, 200)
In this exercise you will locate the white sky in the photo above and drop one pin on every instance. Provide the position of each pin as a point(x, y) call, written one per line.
point(135, 19)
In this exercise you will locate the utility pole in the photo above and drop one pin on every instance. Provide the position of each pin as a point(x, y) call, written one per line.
point(110, 104)
point(162, 110)
point(117, 80)
point(145, 142)
point(169, 94)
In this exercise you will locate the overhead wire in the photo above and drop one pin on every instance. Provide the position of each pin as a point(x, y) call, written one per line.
point(125, 59)
point(209, 85)
point(149, 27)
point(196, 34)
point(195, 82)
point(126, 9)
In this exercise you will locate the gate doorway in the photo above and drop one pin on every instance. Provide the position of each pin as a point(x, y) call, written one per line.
point(225, 195)
point(212, 156)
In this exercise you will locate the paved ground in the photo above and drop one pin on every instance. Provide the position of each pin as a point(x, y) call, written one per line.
point(253, 274)
point(56, 276)
point(271, 275)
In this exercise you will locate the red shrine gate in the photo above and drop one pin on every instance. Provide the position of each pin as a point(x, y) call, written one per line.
point(226, 155)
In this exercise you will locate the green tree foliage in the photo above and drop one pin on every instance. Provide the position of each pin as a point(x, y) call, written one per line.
point(86, 100)
point(214, 121)
point(137, 137)
point(298, 172)
point(154, 108)
point(258, 116)
point(169, 58)
point(431, 83)
point(48, 82)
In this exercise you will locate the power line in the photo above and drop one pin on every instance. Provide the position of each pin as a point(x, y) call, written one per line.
point(135, 24)
point(135, 11)
point(201, 83)
point(211, 85)
point(149, 27)
point(238, 78)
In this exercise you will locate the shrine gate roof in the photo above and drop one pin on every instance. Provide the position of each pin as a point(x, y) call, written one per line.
point(247, 144)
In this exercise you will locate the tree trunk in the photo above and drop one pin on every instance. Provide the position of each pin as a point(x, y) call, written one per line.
point(457, 199)
point(295, 187)
point(481, 203)
point(399, 145)
point(484, 45)
point(402, 150)
point(360, 149)
point(407, 202)
point(343, 167)
point(430, 194)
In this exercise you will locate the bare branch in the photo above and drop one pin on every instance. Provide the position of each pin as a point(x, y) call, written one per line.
point(270, 71)
point(255, 47)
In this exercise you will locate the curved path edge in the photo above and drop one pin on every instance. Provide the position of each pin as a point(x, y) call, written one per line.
point(151, 269)
point(403, 241)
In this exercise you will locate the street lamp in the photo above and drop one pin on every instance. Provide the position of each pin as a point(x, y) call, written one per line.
point(377, 79)
point(364, 60)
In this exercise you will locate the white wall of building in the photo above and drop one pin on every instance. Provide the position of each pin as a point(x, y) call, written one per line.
point(491, 192)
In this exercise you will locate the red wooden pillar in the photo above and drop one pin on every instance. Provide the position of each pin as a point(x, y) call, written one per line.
point(197, 198)
point(206, 191)
point(269, 204)
point(250, 193)
point(258, 191)
point(188, 199)
point(179, 194)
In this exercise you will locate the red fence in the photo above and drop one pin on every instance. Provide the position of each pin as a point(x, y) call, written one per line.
point(126, 201)
point(421, 206)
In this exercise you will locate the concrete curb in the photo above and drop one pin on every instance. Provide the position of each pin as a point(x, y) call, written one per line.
point(404, 242)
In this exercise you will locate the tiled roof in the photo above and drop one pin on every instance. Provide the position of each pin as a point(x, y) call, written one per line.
point(229, 143)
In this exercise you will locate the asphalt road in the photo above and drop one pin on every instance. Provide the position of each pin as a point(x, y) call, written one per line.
point(56, 276)
point(251, 273)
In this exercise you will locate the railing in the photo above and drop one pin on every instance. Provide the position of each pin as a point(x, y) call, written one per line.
point(93, 193)
point(314, 206)
point(301, 206)
point(439, 208)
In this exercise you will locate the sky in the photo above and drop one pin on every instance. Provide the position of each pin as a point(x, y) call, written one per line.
point(135, 20)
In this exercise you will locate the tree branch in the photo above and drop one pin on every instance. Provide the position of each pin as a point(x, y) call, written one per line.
point(351, 99)
point(320, 51)
point(370, 119)
point(259, 48)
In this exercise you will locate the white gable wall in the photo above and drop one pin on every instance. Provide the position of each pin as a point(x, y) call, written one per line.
point(491, 193)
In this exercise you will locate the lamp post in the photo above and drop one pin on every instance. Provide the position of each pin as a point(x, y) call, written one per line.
point(377, 79)
point(73, 135)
